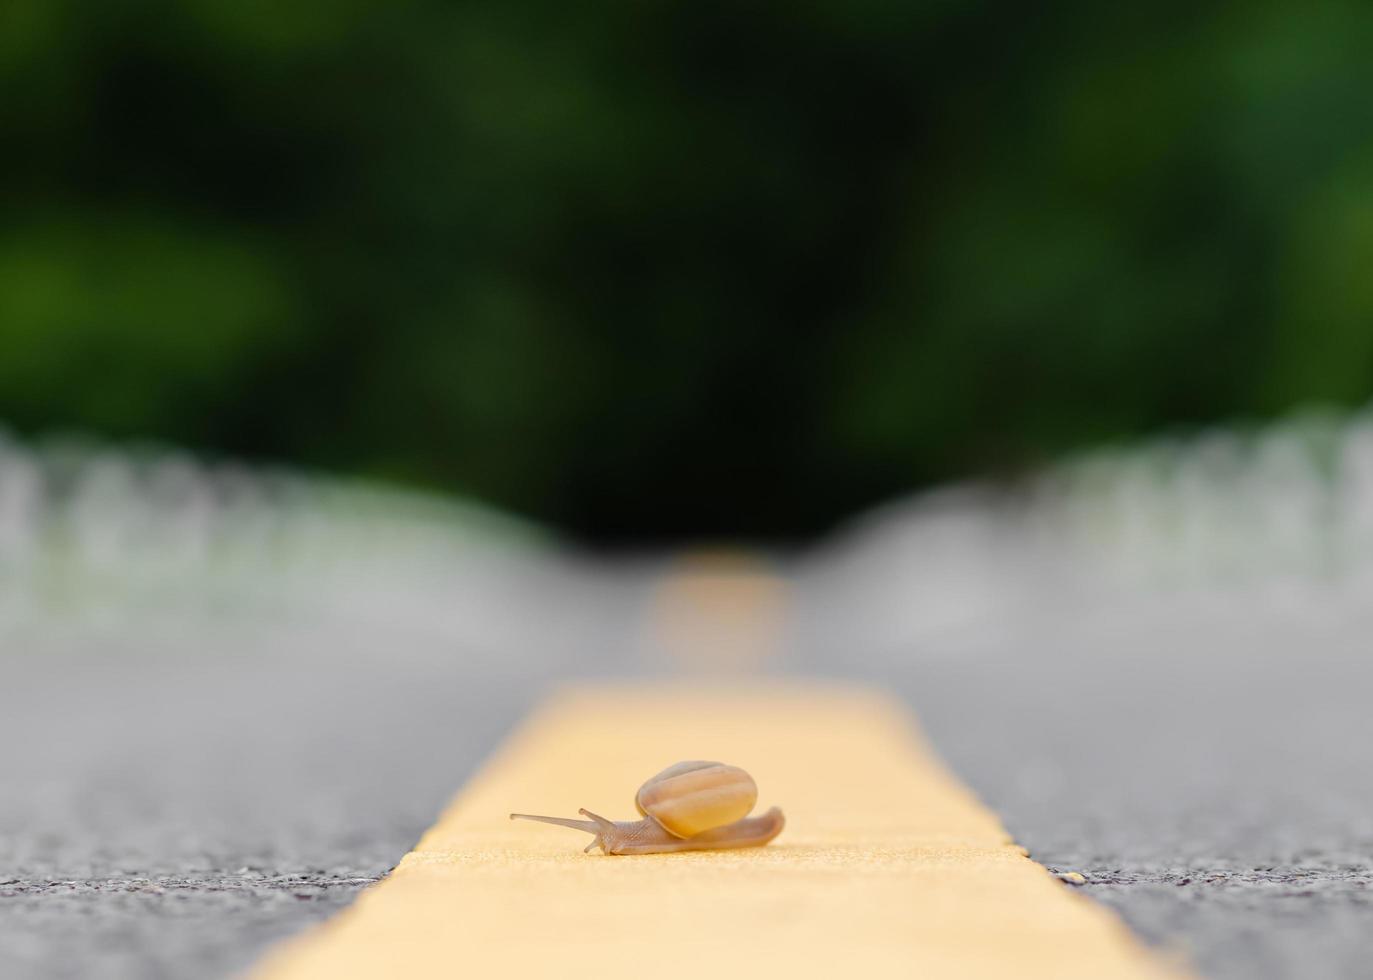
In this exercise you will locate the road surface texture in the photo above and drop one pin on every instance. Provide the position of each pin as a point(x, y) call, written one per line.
point(1163, 684)
point(886, 867)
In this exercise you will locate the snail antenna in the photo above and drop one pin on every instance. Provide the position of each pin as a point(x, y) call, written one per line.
point(586, 825)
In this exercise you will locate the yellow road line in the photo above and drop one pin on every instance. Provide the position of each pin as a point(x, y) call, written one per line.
point(887, 866)
point(719, 612)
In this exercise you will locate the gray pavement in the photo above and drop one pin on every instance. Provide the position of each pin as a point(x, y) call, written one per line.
point(198, 762)
point(171, 816)
point(167, 816)
point(1199, 748)
point(1221, 803)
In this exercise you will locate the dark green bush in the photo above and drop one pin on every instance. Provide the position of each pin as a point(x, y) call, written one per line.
point(680, 268)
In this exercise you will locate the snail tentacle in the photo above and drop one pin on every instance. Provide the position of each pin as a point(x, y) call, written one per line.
point(607, 833)
point(586, 825)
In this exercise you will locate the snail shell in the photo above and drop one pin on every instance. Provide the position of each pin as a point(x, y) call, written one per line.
point(692, 797)
point(689, 806)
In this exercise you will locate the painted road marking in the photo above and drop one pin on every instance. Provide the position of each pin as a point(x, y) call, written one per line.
point(719, 612)
point(888, 866)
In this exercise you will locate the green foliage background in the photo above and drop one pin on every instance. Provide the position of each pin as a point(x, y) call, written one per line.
point(665, 269)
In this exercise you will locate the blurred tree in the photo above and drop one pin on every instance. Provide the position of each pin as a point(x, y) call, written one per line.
point(667, 269)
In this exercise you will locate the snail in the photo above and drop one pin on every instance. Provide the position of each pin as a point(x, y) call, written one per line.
point(692, 806)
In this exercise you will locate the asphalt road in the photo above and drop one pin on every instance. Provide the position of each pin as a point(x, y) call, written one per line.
point(184, 782)
point(1219, 799)
point(169, 814)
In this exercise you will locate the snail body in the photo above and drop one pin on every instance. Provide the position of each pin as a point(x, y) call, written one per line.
point(691, 806)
